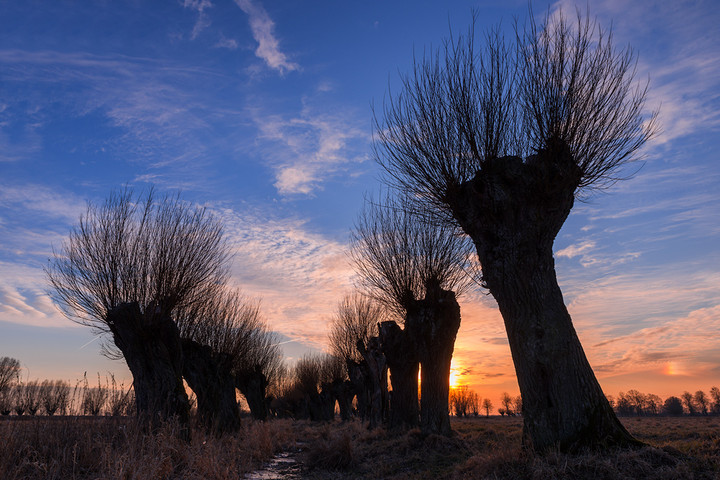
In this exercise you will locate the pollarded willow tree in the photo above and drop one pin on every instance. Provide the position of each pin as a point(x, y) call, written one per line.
point(355, 322)
point(126, 270)
point(228, 345)
point(500, 141)
point(415, 266)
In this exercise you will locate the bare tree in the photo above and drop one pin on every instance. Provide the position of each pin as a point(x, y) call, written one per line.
point(715, 395)
point(688, 401)
point(9, 372)
point(673, 406)
point(125, 271)
point(701, 400)
point(415, 266)
point(30, 397)
point(487, 405)
point(507, 403)
point(94, 398)
point(354, 323)
point(233, 348)
point(54, 396)
point(500, 141)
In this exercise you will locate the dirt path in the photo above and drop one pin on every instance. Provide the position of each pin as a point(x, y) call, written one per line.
point(284, 465)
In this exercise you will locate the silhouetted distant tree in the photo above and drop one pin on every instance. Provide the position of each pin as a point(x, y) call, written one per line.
point(354, 323)
point(227, 345)
point(689, 402)
point(673, 406)
point(653, 404)
point(415, 266)
point(460, 400)
point(311, 373)
point(54, 396)
point(126, 269)
point(701, 401)
point(9, 372)
point(518, 405)
point(637, 401)
point(715, 396)
point(507, 402)
point(500, 141)
point(487, 405)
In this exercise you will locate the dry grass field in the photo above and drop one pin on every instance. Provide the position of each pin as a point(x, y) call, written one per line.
point(481, 448)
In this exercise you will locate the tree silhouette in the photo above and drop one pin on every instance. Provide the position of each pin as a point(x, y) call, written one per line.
point(673, 406)
point(354, 323)
point(701, 401)
point(415, 266)
point(689, 402)
point(500, 142)
point(227, 345)
point(126, 269)
point(715, 396)
point(9, 373)
point(487, 405)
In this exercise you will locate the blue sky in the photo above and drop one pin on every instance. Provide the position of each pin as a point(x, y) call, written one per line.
point(262, 111)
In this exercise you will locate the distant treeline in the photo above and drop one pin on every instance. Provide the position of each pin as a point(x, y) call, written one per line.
point(465, 402)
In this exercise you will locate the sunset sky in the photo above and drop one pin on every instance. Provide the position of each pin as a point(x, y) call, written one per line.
point(262, 110)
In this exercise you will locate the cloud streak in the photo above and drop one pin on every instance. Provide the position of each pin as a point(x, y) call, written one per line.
point(307, 149)
point(263, 30)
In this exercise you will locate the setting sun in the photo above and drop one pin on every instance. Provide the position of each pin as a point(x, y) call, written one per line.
point(454, 376)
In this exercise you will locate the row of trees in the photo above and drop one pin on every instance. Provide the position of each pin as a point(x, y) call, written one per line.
point(57, 397)
point(484, 150)
point(151, 276)
point(634, 402)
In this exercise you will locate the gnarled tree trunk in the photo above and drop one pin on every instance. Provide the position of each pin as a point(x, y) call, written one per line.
point(209, 376)
point(402, 362)
point(253, 385)
point(377, 367)
point(358, 378)
point(342, 393)
point(151, 346)
point(433, 323)
point(512, 211)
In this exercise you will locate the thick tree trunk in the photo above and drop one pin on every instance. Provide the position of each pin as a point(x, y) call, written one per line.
point(377, 365)
point(209, 376)
point(253, 385)
point(151, 346)
point(359, 374)
point(433, 323)
point(402, 362)
point(342, 393)
point(513, 210)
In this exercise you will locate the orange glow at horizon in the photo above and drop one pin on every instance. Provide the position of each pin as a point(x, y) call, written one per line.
point(454, 375)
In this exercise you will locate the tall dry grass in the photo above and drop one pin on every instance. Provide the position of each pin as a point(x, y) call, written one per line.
point(490, 448)
point(118, 448)
point(684, 448)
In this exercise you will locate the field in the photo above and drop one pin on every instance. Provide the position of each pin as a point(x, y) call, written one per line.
point(482, 448)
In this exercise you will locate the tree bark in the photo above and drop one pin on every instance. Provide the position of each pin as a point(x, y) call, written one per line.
point(433, 323)
point(151, 346)
point(209, 376)
point(358, 378)
point(402, 362)
point(253, 385)
point(377, 366)
point(513, 210)
point(342, 393)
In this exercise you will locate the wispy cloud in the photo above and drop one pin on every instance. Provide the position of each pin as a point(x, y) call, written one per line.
point(298, 274)
point(263, 29)
point(203, 20)
point(309, 148)
point(229, 43)
point(165, 115)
